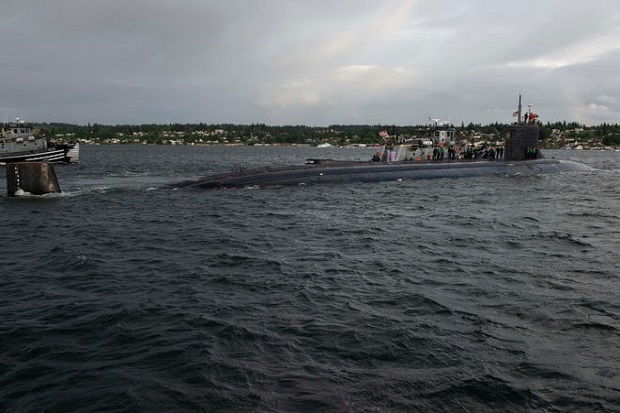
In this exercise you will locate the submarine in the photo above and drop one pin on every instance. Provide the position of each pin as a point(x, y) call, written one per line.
point(520, 156)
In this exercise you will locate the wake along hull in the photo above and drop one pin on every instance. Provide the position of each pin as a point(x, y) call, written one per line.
point(333, 172)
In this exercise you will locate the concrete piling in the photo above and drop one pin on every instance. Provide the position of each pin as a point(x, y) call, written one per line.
point(37, 178)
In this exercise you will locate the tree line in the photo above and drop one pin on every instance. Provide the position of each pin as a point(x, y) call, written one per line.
point(608, 134)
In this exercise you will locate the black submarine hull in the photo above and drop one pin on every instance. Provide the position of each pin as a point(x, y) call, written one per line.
point(341, 172)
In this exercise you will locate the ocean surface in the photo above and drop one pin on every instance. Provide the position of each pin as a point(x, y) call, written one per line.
point(448, 295)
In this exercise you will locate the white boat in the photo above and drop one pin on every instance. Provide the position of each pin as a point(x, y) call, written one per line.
point(19, 144)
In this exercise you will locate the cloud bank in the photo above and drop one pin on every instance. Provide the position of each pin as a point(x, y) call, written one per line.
point(313, 63)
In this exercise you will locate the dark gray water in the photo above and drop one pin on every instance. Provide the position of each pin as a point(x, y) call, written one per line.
point(476, 294)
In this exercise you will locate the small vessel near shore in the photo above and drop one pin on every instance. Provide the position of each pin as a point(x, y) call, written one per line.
point(435, 156)
point(19, 144)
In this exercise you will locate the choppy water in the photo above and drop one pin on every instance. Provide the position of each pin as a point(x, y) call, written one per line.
point(476, 294)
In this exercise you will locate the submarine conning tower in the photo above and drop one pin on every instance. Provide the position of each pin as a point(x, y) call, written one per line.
point(523, 136)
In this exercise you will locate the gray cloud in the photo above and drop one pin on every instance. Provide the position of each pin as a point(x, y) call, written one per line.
point(315, 63)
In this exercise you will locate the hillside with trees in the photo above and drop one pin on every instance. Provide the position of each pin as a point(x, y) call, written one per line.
point(554, 135)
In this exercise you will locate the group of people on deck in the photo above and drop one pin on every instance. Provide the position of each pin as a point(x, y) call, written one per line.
point(468, 152)
point(440, 153)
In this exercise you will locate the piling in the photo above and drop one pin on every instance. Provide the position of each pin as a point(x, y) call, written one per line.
point(37, 178)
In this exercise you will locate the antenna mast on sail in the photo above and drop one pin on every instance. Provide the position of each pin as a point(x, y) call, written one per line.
point(519, 118)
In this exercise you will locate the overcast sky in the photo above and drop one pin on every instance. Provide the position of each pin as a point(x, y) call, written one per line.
point(310, 62)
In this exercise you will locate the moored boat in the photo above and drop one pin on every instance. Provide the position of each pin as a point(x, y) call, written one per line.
point(19, 144)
